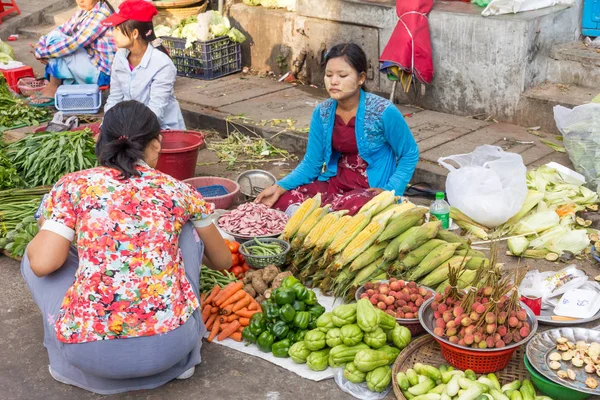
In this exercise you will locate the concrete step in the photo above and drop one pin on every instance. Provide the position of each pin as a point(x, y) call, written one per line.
point(35, 31)
point(536, 105)
point(59, 17)
point(575, 64)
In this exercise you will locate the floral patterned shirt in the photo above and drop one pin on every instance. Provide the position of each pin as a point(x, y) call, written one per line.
point(131, 280)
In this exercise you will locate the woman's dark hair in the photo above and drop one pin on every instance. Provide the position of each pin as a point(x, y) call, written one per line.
point(146, 30)
point(352, 53)
point(127, 129)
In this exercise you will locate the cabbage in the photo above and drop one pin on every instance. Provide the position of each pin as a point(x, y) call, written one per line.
point(252, 2)
point(190, 33)
point(219, 30)
point(162, 30)
point(218, 19)
point(236, 36)
point(6, 49)
point(269, 3)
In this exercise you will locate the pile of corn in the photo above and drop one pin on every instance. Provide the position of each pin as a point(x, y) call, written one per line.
point(384, 239)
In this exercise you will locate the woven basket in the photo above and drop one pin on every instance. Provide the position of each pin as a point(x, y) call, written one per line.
point(173, 16)
point(28, 86)
point(427, 351)
point(7, 254)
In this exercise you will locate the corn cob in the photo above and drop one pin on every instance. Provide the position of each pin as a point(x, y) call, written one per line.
point(477, 262)
point(440, 274)
point(367, 257)
point(299, 216)
point(319, 229)
point(397, 208)
point(349, 232)
point(468, 224)
point(379, 202)
point(439, 255)
point(391, 251)
point(537, 253)
point(452, 237)
point(465, 280)
point(471, 253)
point(532, 199)
point(400, 224)
point(365, 273)
point(413, 258)
point(420, 236)
point(309, 223)
point(331, 233)
point(364, 239)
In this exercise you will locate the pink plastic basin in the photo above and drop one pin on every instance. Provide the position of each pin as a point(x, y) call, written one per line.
point(220, 202)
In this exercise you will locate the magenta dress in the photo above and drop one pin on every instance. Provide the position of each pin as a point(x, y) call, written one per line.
point(345, 191)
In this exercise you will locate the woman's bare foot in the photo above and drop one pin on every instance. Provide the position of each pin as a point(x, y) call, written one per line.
point(46, 94)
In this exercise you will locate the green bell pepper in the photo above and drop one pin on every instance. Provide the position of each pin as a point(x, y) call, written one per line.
point(302, 319)
point(289, 281)
point(281, 348)
point(300, 335)
point(248, 336)
point(287, 313)
point(317, 310)
point(299, 305)
point(291, 336)
point(313, 322)
point(311, 298)
point(280, 329)
point(271, 310)
point(300, 290)
point(257, 324)
point(285, 296)
point(265, 341)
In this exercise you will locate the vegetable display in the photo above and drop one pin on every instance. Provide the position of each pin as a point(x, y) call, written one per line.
point(398, 298)
point(425, 382)
point(206, 26)
point(18, 204)
point(286, 317)
point(227, 311)
point(260, 283)
point(251, 219)
point(259, 248)
point(15, 112)
point(239, 267)
point(17, 240)
point(339, 253)
point(209, 278)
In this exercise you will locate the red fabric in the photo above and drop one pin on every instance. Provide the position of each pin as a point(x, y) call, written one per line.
point(412, 29)
point(135, 10)
point(346, 190)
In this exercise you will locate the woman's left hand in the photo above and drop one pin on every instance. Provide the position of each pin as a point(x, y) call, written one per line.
point(375, 191)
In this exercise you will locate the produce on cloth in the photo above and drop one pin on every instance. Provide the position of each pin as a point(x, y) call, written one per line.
point(425, 382)
point(251, 219)
point(288, 317)
point(261, 282)
point(43, 158)
point(227, 311)
point(15, 112)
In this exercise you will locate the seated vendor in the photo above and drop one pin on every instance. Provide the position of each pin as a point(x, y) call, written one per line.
point(79, 51)
point(142, 69)
point(358, 144)
point(121, 310)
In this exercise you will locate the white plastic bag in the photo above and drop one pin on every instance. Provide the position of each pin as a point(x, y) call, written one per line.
point(498, 7)
point(358, 390)
point(551, 285)
point(489, 186)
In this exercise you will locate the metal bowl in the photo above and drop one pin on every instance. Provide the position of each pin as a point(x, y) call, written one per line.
point(427, 320)
point(255, 181)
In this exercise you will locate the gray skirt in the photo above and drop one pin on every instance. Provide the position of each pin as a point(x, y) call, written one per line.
point(119, 365)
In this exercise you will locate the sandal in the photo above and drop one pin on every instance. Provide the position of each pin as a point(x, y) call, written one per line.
point(48, 101)
point(59, 125)
point(420, 189)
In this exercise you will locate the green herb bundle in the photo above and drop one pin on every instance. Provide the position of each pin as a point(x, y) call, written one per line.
point(15, 112)
point(18, 204)
point(43, 158)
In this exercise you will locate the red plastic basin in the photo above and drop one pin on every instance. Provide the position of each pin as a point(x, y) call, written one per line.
point(179, 153)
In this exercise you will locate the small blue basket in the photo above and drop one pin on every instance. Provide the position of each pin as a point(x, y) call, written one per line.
point(212, 191)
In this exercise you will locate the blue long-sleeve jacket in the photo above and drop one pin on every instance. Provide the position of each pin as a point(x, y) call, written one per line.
point(384, 143)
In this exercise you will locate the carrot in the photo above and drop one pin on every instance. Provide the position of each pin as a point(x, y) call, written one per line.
point(237, 336)
point(232, 317)
point(241, 328)
point(223, 289)
point(202, 297)
point(228, 291)
point(214, 310)
point(223, 326)
point(246, 313)
point(254, 305)
point(231, 328)
point(206, 312)
point(213, 293)
point(234, 298)
point(211, 321)
point(244, 321)
point(242, 303)
point(227, 310)
point(214, 331)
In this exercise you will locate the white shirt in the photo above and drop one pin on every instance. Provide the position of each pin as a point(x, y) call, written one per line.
point(151, 83)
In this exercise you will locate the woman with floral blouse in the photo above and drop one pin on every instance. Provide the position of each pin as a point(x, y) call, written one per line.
point(121, 309)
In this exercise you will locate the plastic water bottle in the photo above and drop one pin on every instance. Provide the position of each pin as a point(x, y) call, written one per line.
point(441, 210)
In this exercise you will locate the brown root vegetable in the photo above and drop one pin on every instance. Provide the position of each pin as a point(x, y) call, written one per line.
point(250, 290)
point(259, 299)
point(259, 285)
point(269, 273)
point(248, 277)
point(279, 278)
point(267, 293)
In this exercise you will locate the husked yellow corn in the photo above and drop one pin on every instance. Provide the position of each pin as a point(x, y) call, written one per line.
point(349, 232)
point(309, 223)
point(364, 239)
point(319, 229)
point(299, 216)
point(331, 233)
point(379, 202)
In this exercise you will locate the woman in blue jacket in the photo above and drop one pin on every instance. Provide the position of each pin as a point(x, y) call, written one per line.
point(358, 145)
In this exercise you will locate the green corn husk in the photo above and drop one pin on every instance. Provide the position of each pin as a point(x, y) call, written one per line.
point(536, 223)
point(517, 245)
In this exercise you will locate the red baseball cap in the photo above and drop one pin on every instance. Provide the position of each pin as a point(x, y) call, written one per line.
point(136, 10)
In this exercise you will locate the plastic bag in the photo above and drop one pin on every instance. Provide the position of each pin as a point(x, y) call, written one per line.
point(498, 7)
point(489, 186)
point(553, 284)
point(580, 128)
point(358, 390)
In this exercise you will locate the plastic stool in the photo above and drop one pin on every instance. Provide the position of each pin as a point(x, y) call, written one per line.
point(8, 7)
point(12, 76)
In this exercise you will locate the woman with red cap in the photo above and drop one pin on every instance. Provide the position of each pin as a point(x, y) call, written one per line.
point(142, 69)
